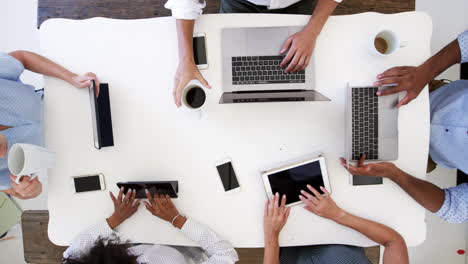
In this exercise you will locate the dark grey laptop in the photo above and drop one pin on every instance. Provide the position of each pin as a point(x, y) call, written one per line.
point(251, 71)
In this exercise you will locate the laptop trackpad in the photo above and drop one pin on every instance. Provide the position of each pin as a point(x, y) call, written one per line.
point(388, 101)
point(388, 148)
point(388, 123)
point(266, 41)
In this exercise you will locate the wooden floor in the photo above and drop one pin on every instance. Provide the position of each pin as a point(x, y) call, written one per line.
point(124, 9)
point(39, 249)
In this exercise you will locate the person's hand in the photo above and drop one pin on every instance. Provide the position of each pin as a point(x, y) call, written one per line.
point(162, 207)
point(380, 169)
point(186, 71)
point(124, 207)
point(409, 79)
point(27, 188)
point(84, 81)
point(300, 45)
point(3, 146)
point(321, 205)
point(275, 217)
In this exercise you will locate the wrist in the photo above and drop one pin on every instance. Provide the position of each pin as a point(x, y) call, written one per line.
point(187, 59)
point(113, 221)
point(271, 240)
point(340, 216)
point(428, 70)
point(179, 221)
point(313, 29)
point(68, 77)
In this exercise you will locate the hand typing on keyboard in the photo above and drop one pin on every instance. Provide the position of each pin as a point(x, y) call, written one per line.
point(298, 49)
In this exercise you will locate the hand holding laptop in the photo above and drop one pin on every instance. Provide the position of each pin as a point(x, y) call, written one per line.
point(380, 169)
point(84, 81)
point(409, 79)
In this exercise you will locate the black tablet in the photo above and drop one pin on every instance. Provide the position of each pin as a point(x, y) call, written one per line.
point(160, 187)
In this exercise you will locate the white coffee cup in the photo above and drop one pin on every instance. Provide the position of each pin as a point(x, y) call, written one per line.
point(392, 40)
point(194, 96)
point(28, 160)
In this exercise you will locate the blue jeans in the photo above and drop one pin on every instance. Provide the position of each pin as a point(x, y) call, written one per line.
point(323, 254)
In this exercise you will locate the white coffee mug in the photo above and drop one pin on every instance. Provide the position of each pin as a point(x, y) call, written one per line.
point(28, 160)
point(200, 103)
point(391, 38)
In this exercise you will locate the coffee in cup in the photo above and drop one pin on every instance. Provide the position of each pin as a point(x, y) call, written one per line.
point(194, 96)
point(386, 42)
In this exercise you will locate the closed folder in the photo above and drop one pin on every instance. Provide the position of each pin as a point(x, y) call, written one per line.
point(10, 214)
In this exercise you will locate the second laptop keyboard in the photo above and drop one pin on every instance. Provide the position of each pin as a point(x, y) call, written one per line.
point(365, 104)
point(262, 70)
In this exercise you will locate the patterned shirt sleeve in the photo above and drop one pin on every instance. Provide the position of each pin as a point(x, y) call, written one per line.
point(185, 9)
point(83, 242)
point(463, 43)
point(455, 207)
point(218, 250)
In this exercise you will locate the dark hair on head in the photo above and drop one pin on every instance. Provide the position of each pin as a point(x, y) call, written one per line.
point(105, 251)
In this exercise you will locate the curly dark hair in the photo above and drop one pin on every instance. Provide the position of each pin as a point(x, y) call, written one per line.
point(105, 251)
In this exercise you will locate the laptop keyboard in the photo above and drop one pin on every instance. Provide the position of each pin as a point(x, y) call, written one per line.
point(365, 123)
point(262, 70)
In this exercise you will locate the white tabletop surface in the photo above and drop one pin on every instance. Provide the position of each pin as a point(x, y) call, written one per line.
point(156, 141)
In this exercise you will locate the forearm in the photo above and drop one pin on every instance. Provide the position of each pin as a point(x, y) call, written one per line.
point(185, 37)
point(445, 58)
point(271, 254)
point(39, 64)
point(373, 230)
point(322, 12)
point(425, 193)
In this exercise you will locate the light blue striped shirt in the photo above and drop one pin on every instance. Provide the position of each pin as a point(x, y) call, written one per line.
point(20, 109)
point(449, 138)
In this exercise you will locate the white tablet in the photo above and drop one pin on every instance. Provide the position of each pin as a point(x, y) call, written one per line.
point(291, 179)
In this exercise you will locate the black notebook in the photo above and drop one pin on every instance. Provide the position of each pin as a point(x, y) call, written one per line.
point(102, 119)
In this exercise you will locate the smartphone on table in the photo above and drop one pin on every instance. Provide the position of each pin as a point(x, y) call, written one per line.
point(199, 50)
point(88, 183)
point(227, 175)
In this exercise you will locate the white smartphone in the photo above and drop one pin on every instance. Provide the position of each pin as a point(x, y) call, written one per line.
point(199, 50)
point(88, 183)
point(227, 175)
point(293, 178)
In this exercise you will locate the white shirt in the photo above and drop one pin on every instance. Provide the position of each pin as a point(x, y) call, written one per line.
point(191, 9)
point(214, 250)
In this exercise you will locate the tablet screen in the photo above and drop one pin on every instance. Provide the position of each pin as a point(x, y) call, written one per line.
point(293, 180)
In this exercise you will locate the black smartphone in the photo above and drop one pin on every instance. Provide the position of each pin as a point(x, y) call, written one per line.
point(87, 183)
point(199, 51)
point(227, 175)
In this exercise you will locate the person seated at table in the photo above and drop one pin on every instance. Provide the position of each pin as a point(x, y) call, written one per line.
point(450, 204)
point(448, 104)
point(276, 216)
point(21, 111)
point(102, 244)
point(297, 49)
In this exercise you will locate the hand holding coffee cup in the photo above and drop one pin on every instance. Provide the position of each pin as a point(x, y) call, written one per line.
point(27, 188)
point(28, 160)
point(193, 95)
point(385, 43)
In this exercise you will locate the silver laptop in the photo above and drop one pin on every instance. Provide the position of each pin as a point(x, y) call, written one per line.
point(371, 124)
point(251, 71)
